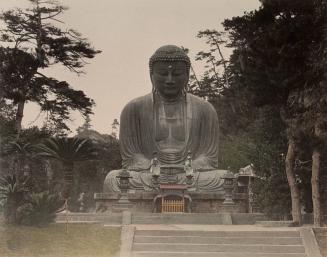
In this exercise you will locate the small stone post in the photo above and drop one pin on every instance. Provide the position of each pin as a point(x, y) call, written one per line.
point(229, 186)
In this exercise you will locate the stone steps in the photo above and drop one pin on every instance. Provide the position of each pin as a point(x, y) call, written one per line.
point(215, 254)
point(179, 243)
point(220, 240)
point(220, 233)
point(179, 247)
point(182, 218)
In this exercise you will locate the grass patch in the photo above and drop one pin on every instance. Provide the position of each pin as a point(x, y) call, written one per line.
point(82, 240)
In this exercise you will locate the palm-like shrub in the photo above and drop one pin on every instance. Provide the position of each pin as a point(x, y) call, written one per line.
point(39, 209)
point(12, 195)
point(68, 151)
point(18, 147)
point(20, 153)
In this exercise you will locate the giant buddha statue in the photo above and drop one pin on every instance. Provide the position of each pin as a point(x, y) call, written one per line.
point(169, 135)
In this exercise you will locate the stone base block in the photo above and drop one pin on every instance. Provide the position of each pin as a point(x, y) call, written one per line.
point(201, 202)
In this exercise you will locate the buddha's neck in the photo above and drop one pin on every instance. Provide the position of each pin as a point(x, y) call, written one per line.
point(170, 100)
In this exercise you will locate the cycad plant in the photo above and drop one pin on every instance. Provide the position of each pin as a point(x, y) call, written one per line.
point(68, 151)
point(12, 194)
point(39, 209)
point(20, 153)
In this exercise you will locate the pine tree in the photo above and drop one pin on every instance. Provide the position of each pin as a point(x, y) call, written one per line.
point(33, 40)
point(276, 46)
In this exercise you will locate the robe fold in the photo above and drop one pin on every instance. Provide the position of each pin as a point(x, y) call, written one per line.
point(139, 134)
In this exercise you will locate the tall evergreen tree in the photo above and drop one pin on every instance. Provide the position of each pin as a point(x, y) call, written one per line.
point(33, 40)
point(275, 45)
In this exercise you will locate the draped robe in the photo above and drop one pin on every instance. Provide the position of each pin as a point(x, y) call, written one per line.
point(145, 129)
point(138, 134)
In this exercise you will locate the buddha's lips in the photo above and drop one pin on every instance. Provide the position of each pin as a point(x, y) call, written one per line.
point(167, 89)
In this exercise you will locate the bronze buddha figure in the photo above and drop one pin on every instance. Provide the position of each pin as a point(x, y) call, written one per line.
point(182, 129)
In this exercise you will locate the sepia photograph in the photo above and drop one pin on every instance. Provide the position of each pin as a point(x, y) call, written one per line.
point(151, 128)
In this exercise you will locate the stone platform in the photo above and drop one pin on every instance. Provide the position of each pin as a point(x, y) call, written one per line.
point(201, 202)
point(127, 217)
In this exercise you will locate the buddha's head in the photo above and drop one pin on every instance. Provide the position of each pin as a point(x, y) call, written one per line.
point(169, 71)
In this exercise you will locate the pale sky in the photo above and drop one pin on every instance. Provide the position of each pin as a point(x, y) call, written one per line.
point(128, 32)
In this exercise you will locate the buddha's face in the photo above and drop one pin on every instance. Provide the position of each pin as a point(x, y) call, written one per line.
point(169, 78)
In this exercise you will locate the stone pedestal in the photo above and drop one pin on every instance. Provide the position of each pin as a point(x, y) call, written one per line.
point(123, 204)
point(141, 201)
point(229, 208)
point(119, 207)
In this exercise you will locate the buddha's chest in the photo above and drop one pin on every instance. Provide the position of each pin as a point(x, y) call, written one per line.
point(170, 124)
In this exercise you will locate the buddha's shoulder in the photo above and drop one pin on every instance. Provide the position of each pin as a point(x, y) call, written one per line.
point(138, 101)
point(200, 102)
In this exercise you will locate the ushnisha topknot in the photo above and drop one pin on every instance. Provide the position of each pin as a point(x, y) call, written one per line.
point(169, 53)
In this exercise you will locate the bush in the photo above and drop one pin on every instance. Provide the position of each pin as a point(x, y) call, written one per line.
point(12, 196)
point(39, 209)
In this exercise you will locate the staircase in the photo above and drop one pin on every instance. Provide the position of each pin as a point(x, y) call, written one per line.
point(180, 243)
point(321, 236)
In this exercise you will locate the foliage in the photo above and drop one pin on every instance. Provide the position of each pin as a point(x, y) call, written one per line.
point(21, 206)
point(7, 118)
point(86, 125)
point(35, 135)
point(18, 147)
point(12, 194)
point(268, 145)
point(234, 151)
point(68, 151)
point(214, 79)
point(261, 143)
point(272, 195)
point(9, 187)
point(280, 59)
point(18, 156)
point(31, 42)
point(270, 89)
point(39, 209)
point(274, 46)
point(93, 172)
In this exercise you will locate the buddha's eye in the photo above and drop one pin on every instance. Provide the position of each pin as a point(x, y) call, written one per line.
point(177, 72)
point(162, 72)
point(173, 72)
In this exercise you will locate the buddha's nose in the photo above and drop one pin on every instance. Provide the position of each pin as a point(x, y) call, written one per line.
point(169, 79)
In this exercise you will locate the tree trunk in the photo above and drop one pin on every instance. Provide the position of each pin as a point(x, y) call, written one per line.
point(19, 117)
point(75, 190)
point(10, 210)
point(295, 194)
point(315, 181)
point(68, 179)
point(49, 172)
point(315, 188)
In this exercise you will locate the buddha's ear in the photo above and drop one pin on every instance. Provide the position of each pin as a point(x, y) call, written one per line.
point(153, 86)
point(188, 79)
point(151, 77)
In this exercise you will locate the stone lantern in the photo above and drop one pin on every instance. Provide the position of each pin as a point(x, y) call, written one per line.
point(228, 186)
point(123, 186)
